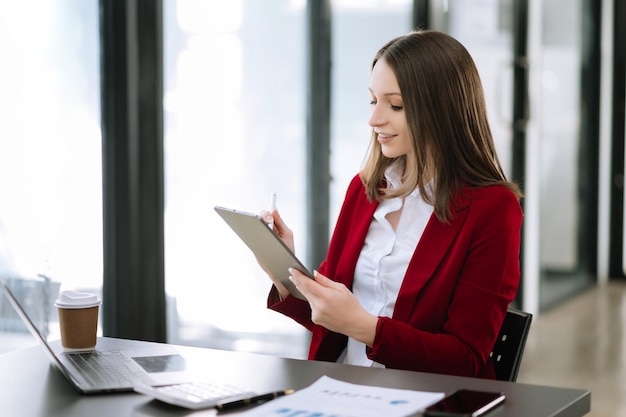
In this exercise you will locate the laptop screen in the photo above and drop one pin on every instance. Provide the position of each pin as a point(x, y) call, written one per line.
point(10, 308)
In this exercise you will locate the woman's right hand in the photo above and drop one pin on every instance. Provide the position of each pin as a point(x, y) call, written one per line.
point(286, 235)
point(280, 228)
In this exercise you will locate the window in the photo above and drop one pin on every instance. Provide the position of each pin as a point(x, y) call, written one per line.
point(234, 133)
point(50, 151)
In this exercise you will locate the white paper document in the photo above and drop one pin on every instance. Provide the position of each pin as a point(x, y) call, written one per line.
point(328, 397)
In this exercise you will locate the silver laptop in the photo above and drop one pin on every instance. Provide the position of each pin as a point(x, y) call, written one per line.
point(111, 367)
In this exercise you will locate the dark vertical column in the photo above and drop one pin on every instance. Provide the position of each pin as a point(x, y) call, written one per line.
point(132, 149)
point(520, 89)
point(589, 146)
point(421, 14)
point(521, 111)
point(318, 128)
point(616, 234)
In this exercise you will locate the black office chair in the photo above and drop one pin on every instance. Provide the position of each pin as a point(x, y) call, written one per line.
point(509, 348)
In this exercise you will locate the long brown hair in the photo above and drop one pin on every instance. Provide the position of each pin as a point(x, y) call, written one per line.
point(446, 116)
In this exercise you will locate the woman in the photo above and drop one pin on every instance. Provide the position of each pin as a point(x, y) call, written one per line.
point(424, 258)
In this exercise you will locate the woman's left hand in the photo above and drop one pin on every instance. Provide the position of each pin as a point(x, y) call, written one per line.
point(334, 307)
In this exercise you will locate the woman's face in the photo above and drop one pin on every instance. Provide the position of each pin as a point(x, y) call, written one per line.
point(387, 112)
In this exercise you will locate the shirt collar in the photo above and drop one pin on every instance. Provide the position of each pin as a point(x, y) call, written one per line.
point(393, 176)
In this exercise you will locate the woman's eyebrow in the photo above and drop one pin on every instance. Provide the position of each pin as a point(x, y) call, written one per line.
point(387, 94)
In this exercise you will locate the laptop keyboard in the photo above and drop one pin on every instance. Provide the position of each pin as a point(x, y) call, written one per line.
point(104, 368)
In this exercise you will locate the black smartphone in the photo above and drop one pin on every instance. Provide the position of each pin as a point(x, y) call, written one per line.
point(465, 403)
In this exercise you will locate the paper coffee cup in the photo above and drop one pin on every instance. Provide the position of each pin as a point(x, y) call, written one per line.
point(78, 319)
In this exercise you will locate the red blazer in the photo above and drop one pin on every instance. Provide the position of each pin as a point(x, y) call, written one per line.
point(455, 293)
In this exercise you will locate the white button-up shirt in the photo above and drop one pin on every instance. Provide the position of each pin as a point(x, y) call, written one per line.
point(385, 257)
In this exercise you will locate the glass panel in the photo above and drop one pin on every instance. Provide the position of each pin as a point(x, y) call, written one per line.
point(50, 153)
point(560, 138)
point(234, 133)
point(485, 28)
point(359, 29)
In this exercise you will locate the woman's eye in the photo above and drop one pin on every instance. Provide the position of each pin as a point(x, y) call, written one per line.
point(396, 108)
point(373, 103)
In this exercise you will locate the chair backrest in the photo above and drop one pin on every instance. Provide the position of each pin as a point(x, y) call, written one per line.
point(509, 347)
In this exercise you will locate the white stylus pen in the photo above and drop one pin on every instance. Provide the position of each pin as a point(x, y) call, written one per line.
point(272, 208)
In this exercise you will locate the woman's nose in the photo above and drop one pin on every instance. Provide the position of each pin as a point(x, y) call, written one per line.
point(376, 117)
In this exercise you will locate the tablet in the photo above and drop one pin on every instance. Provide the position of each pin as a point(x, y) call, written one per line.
point(266, 246)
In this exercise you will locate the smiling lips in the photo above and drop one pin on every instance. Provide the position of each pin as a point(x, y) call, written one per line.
point(384, 137)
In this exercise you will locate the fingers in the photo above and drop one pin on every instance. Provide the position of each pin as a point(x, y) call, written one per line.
point(272, 217)
point(295, 276)
point(311, 287)
point(274, 220)
point(267, 216)
point(334, 307)
point(322, 280)
point(299, 280)
point(279, 223)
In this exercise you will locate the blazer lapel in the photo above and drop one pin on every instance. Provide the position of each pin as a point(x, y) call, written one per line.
point(430, 250)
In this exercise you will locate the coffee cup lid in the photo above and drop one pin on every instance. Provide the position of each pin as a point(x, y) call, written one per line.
point(77, 299)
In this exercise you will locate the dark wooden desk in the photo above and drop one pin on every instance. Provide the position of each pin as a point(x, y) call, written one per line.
point(30, 386)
